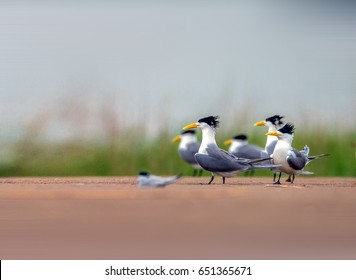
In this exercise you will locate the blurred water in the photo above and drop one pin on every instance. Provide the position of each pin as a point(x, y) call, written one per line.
point(70, 65)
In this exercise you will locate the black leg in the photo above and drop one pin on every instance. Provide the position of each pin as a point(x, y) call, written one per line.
point(289, 179)
point(293, 177)
point(279, 178)
point(274, 177)
point(212, 179)
point(223, 180)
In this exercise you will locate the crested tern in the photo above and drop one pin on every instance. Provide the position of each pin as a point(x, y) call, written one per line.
point(239, 146)
point(273, 123)
point(146, 179)
point(188, 147)
point(291, 161)
point(211, 158)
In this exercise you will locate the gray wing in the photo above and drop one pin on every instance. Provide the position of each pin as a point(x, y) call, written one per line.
point(218, 160)
point(249, 151)
point(296, 159)
point(188, 154)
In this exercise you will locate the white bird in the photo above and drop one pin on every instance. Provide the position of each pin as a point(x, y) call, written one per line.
point(291, 161)
point(188, 147)
point(273, 123)
point(146, 179)
point(211, 158)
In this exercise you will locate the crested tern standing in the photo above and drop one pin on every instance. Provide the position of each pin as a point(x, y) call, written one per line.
point(273, 123)
point(291, 161)
point(188, 147)
point(240, 147)
point(211, 158)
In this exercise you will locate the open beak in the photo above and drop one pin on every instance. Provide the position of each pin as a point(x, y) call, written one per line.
point(192, 125)
point(228, 142)
point(261, 123)
point(177, 138)
point(273, 133)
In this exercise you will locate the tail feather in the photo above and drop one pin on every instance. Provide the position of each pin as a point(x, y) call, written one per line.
point(172, 179)
point(259, 166)
point(259, 160)
point(317, 156)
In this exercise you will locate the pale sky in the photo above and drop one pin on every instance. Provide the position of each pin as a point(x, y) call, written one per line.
point(180, 61)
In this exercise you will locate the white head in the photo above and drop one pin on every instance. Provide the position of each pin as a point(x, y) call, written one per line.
point(186, 137)
point(237, 142)
point(286, 133)
point(208, 126)
point(273, 123)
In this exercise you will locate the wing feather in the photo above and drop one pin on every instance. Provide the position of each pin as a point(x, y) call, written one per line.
point(296, 159)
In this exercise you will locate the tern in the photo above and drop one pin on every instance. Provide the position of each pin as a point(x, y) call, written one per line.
point(188, 147)
point(273, 123)
point(291, 161)
point(240, 147)
point(211, 158)
point(146, 179)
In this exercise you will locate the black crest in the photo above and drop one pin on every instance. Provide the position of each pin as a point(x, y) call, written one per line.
point(287, 128)
point(241, 137)
point(144, 173)
point(211, 120)
point(276, 119)
point(190, 131)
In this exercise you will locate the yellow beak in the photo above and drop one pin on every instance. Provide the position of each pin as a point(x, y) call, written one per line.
point(177, 138)
point(261, 123)
point(273, 133)
point(192, 125)
point(228, 142)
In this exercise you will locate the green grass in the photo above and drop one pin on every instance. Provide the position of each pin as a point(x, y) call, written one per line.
point(128, 152)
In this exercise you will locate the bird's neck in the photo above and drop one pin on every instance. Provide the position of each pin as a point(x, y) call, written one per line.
point(271, 138)
point(272, 128)
point(208, 139)
point(284, 143)
point(269, 141)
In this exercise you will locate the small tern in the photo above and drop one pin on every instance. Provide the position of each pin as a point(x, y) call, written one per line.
point(291, 161)
point(211, 158)
point(146, 179)
point(188, 147)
